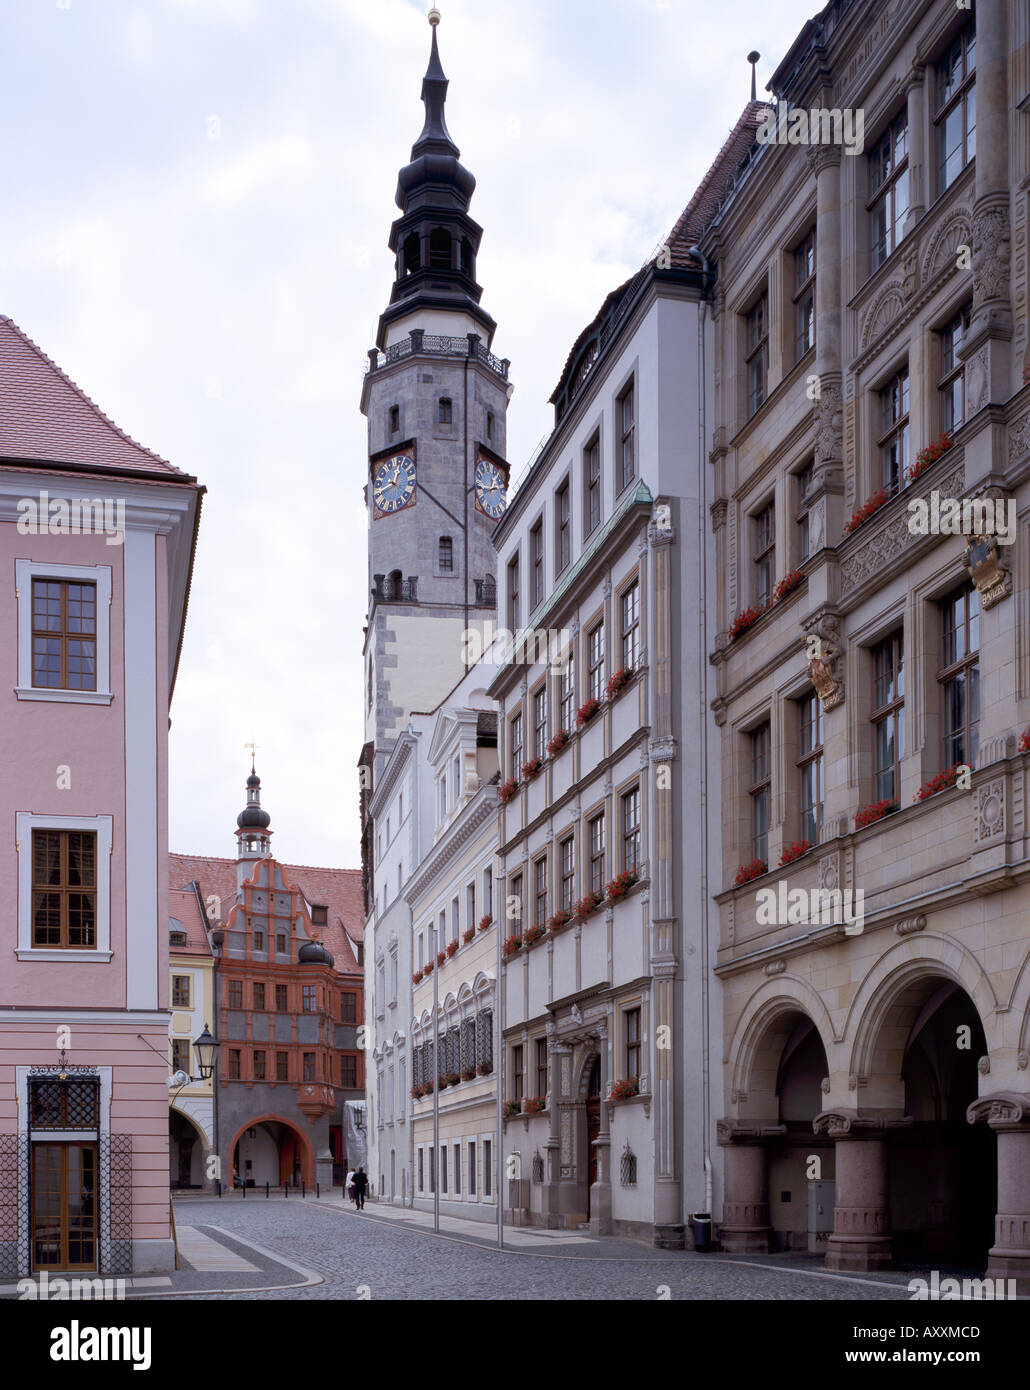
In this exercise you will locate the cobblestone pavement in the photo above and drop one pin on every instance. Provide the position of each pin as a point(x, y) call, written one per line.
point(364, 1256)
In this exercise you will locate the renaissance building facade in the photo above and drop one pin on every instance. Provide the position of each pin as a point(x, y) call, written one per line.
point(872, 669)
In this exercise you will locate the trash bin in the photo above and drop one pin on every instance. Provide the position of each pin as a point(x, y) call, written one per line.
point(701, 1229)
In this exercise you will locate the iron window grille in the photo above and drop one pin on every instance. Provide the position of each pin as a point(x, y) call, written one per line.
point(628, 1167)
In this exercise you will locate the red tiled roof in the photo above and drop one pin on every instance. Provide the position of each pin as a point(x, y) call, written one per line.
point(339, 890)
point(44, 415)
point(183, 906)
point(704, 203)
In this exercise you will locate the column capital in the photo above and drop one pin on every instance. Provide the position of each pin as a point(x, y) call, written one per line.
point(915, 76)
point(844, 1123)
point(742, 1132)
point(822, 157)
point(1004, 1110)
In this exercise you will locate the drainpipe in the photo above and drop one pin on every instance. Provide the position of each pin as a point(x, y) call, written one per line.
point(706, 1089)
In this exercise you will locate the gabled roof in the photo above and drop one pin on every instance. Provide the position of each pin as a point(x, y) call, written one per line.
point(45, 416)
point(184, 914)
point(339, 890)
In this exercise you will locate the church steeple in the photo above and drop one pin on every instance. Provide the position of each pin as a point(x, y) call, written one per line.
point(253, 837)
point(435, 241)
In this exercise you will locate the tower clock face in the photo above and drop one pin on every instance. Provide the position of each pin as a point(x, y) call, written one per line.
point(490, 489)
point(393, 484)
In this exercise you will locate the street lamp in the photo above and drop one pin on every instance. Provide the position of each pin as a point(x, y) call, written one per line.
point(205, 1047)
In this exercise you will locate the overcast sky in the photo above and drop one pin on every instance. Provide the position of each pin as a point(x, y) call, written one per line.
point(196, 199)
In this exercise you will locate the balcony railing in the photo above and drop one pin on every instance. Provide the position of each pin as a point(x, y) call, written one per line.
point(392, 589)
point(434, 345)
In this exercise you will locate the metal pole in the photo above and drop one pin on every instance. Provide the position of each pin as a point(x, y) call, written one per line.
point(436, 1092)
point(499, 1055)
point(266, 1189)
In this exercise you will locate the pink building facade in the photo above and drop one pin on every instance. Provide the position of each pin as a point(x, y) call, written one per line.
point(97, 537)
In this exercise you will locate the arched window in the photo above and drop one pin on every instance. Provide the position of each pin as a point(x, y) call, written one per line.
point(440, 249)
point(395, 418)
point(393, 584)
point(467, 262)
point(446, 555)
point(445, 413)
point(412, 254)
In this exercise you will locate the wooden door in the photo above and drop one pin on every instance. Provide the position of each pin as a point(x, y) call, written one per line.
point(64, 1206)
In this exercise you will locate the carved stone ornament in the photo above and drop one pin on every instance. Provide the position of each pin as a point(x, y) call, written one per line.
point(991, 251)
point(824, 1085)
point(775, 967)
point(829, 427)
point(825, 660)
point(983, 1066)
point(990, 811)
point(845, 1123)
point(988, 565)
point(1022, 1061)
point(1002, 1110)
point(907, 925)
point(737, 1132)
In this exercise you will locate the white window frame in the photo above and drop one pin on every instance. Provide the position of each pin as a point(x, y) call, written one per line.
point(25, 571)
point(103, 828)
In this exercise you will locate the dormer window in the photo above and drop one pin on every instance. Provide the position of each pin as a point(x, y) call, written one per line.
point(319, 915)
point(445, 412)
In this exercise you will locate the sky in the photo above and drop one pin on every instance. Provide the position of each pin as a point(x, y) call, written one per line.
point(195, 202)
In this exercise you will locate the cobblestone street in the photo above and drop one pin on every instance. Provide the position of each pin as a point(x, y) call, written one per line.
point(368, 1255)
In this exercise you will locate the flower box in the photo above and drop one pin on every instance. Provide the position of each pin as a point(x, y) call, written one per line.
point(927, 457)
point(507, 790)
point(427, 969)
point(619, 681)
point(559, 919)
point(441, 958)
point(587, 905)
point(619, 887)
point(940, 783)
point(484, 1068)
point(556, 744)
point(416, 979)
point(512, 946)
point(486, 922)
point(865, 511)
point(534, 935)
point(795, 851)
point(1024, 742)
point(747, 617)
point(452, 948)
point(625, 1090)
point(869, 814)
point(468, 1073)
point(531, 768)
point(788, 582)
point(451, 1078)
point(510, 1108)
point(532, 1105)
point(586, 712)
point(468, 936)
point(747, 872)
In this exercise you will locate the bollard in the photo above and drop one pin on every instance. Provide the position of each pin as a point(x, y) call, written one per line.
point(218, 1184)
point(244, 1187)
point(286, 1192)
point(318, 1190)
point(303, 1192)
point(266, 1190)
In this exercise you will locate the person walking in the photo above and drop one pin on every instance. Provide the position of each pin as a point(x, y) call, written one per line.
point(360, 1186)
point(348, 1186)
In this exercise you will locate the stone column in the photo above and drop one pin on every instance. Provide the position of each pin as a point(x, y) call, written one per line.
point(556, 1093)
point(601, 1191)
point(827, 489)
point(1008, 1114)
point(861, 1238)
point(746, 1228)
point(916, 93)
point(987, 347)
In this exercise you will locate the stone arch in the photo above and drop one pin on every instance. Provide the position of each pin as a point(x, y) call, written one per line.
point(591, 1055)
point(884, 309)
point(307, 1153)
point(890, 998)
point(765, 1019)
point(1015, 1023)
point(942, 247)
point(205, 1138)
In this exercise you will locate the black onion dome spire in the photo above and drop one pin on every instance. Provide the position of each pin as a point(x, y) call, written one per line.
point(435, 241)
point(252, 817)
point(314, 953)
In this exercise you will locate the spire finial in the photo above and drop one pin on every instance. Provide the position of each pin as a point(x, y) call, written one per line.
point(434, 16)
point(251, 748)
point(753, 58)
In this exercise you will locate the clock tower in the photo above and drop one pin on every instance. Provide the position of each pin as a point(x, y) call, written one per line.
point(435, 398)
